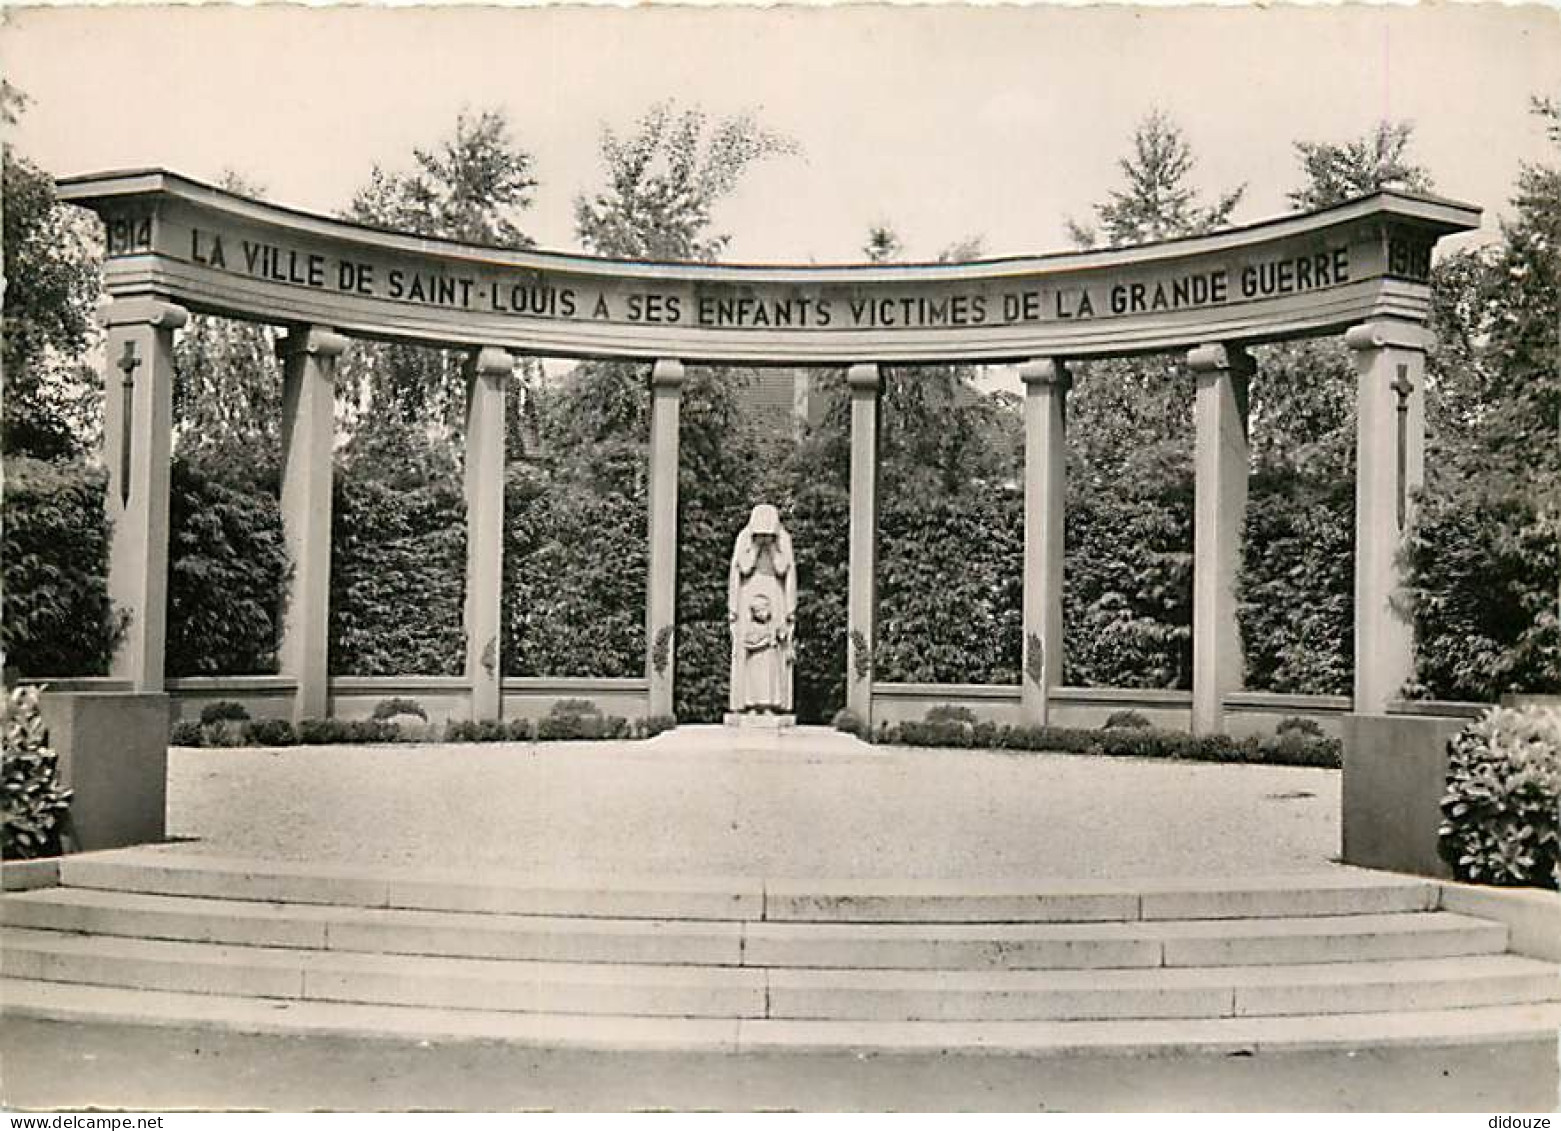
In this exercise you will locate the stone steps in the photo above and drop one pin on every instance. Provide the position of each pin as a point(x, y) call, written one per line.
point(864, 945)
point(80, 1004)
point(1336, 892)
point(846, 994)
point(1342, 958)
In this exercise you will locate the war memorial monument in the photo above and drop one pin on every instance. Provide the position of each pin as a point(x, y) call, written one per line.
point(756, 964)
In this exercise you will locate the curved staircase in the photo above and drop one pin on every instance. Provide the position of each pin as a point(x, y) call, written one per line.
point(1337, 959)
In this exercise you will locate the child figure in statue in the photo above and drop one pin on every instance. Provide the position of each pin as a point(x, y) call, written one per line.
point(762, 665)
point(762, 609)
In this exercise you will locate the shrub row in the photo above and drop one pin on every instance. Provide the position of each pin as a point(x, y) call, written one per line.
point(339, 732)
point(1289, 748)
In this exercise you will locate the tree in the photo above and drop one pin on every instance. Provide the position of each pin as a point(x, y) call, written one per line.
point(577, 528)
point(1127, 609)
point(51, 265)
point(883, 245)
point(1485, 552)
point(472, 187)
point(1157, 202)
point(1337, 172)
point(665, 179)
point(227, 390)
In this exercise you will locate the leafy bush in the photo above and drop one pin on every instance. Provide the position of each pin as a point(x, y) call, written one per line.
point(271, 732)
point(227, 572)
point(950, 713)
point(1126, 720)
point(186, 732)
point(225, 732)
point(1134, 742)
point(54, 567)
point(1299, 726)
point(390, 708)
point(398, 576)
point(848, 722)
point(659, 724)
point(36, 808)
point(1499, 815)
point(224, 709)
point(573, 709)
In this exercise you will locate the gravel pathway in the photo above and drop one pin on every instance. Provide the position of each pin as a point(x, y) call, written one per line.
point(663, 808)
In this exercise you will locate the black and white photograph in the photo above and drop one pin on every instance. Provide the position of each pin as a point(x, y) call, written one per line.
point(801, 558)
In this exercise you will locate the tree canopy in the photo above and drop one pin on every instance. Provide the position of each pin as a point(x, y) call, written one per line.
point(664, 180)
point(1157, 200)
point(1338, 171)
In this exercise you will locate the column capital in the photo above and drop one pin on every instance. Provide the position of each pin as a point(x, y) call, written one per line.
point(142, 310)
point(490, 361)
point(667, 373)
point(864, 377)
point(317, 341)
point(1387, 333)
point(1216, 357)
point(1041, 372)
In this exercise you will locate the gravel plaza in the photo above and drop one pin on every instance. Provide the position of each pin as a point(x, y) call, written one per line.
point(674, 806)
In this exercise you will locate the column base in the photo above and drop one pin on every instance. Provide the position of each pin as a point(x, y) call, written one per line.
point(756, 720)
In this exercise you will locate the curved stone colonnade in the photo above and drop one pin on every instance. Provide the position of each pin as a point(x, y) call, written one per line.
point(1360, 269)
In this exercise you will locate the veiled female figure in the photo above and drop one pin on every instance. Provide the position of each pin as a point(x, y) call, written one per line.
point(761, 603)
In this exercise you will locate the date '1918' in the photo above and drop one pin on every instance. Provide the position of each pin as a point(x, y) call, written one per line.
point(129, 234)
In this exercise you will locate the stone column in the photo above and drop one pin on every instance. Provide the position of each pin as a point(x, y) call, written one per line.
point(1046, 384)
point(1223, 374)
point(862, 600)
point(1389, 468)
point(309, 355)
point(137, 443)
point(487, 371)
point(666, 389)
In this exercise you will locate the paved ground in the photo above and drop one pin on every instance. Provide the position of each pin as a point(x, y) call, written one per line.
point(808, 808)
point(54, 1065)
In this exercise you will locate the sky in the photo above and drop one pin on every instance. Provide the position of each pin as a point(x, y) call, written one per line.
point(943, 121)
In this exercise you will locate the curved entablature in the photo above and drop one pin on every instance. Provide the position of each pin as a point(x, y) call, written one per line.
point(1300, 275)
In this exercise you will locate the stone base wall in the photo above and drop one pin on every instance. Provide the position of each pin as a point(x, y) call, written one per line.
point(113, 756)
point(1395, 773)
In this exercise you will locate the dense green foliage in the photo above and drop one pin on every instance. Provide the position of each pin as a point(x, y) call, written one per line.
point(1485, 552)
point(950, 727)
point(35, 806)
point(227, 567)
point(1499, 816)
point(51, 285)
point(398, 577)
point(570, 719)
point(58, 617)
point(1483, 559)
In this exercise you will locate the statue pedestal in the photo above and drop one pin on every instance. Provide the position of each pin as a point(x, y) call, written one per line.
point(757, 720)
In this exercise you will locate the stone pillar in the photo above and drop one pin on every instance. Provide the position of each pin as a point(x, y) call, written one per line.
point(137, 442)
point(1389, 469)
point(666, 390)
point(487, 371)
point(309, 355)
point(1046, 384)
point(1223, 374)
point(862, 600)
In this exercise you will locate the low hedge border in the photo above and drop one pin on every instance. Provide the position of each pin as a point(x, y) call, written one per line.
point(349, 732)
point(1286, 749)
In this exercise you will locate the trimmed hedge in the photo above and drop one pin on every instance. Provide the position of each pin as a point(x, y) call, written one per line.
point(346, 732)
point(1288, 749)
point(58, 616)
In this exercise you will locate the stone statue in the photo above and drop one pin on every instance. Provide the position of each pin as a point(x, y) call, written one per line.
point(761, 605)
